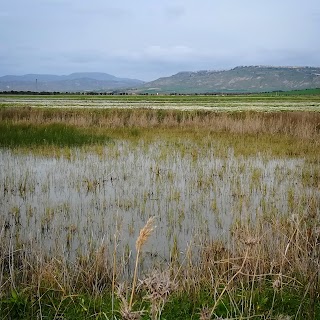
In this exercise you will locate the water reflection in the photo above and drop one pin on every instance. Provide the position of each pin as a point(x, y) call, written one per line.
point(71, 204)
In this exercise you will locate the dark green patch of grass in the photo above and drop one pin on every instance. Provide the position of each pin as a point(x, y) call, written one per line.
point(257, 304)
point(65, 135)
point(13, 135)
point(54, 306)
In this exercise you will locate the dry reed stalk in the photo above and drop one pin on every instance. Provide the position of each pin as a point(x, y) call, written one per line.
point(116, 238)
point(113, 276)
point(144, 234)
point(304, 125)
point(229, 282)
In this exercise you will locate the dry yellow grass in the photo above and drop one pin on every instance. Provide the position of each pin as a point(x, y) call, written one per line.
point(304, 125)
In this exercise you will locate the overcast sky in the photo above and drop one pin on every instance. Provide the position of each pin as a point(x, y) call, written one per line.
point(147, 39)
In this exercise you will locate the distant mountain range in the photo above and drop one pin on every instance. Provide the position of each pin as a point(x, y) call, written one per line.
point(86, 81)
point(240, 79)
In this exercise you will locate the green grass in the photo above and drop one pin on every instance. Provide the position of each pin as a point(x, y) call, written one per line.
point(58, 135)
point(259, 304)
point(14, 135)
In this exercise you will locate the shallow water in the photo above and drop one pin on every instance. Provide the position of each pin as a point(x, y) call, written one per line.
point(70, 205)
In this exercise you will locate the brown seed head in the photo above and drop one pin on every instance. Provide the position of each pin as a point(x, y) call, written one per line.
point(145, 233)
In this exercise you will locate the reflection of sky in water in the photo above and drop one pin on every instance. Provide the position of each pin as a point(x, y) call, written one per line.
point(75, 204)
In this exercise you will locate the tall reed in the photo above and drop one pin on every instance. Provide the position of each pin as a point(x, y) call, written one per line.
point(304, 125)
point(144, 234)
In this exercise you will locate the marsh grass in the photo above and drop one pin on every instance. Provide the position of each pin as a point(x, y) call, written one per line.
point(144, 234)
point(12, 135)
point(272, 271)
point(295, 124)
point(254, 177)
point(290, 134)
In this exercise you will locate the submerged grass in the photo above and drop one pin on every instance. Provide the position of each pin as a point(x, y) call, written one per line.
point(266, 267)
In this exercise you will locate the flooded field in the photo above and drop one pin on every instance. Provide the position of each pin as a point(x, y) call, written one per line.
point(235, 198)
point(74, 204)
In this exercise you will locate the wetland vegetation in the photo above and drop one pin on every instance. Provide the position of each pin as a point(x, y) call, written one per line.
point(235, 198)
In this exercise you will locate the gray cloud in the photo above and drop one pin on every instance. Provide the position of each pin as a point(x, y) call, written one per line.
point(147, 39)
point(174, 12)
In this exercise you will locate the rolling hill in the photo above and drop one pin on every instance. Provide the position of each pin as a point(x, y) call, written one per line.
point(243, 79)
point(87, 81)
point(239, 79)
